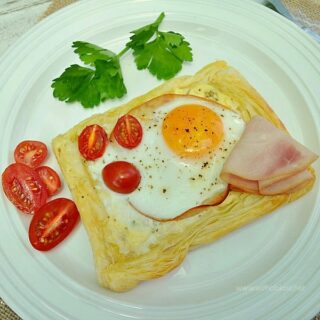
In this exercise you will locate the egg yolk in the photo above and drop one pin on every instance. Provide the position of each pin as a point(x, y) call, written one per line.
point(192, 130)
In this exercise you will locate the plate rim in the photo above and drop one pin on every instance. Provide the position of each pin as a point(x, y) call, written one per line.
point(66, 11)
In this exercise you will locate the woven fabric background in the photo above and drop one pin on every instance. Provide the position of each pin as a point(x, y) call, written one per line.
point(56, 5)
point(307, 12)
point(6, 313)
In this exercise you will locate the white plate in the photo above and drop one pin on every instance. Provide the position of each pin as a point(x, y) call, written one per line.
point(267, 270)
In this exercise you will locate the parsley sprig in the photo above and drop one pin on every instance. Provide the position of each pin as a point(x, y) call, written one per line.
point(162, 53)
point(162, 56)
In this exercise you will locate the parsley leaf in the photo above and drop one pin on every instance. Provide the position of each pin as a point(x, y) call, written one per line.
point(89, 52)
point(143, 34)
point(89, 86)
point(108, 77)
point(109, 80)
point(164, 55)
point(178, 46)
point(76, 84)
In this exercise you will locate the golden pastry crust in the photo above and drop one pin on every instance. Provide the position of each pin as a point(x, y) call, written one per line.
point(128, 252)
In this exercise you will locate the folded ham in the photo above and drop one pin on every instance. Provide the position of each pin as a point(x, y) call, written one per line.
point(266, 160)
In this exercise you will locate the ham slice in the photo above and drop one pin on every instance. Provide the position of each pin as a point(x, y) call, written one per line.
point(266, 160)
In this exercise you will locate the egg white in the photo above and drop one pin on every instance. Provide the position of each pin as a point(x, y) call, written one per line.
point(171, 185)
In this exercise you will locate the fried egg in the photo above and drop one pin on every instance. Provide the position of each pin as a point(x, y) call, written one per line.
point(186, 140)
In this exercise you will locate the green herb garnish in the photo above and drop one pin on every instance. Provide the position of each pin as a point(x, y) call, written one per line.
point(162, 53)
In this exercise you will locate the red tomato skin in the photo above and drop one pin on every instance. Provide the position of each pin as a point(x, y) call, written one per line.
point(24, 188)
point(121, 176)
point(94, 147)
point(50, 179)
point(67, 216)
point(128, 131)
point(31, 153)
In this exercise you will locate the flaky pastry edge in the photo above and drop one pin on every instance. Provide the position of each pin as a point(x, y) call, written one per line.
point(122, 267)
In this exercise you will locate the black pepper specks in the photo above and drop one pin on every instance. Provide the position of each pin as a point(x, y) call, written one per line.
point(204, 164)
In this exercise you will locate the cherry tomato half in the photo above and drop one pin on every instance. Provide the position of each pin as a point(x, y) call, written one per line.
point(23, 187)
point(31, 153)
point(50, 179)
point(92, 142)
point(121, 176)
point(128, 131)
point(52, 223)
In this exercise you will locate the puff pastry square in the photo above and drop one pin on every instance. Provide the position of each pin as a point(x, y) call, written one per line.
point(129, 252)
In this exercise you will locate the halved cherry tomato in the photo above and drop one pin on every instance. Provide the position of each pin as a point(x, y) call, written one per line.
point(31, 153)
point(92, 142)
point(50, 179)
point(52, 223)
point(121, 176)
point(128, 131)
point(23, 187)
